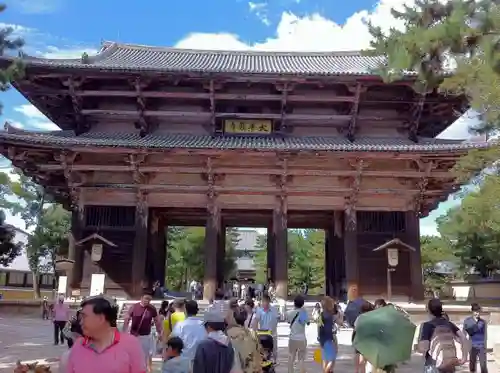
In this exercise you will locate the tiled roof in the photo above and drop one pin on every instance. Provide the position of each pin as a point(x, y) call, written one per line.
point(67, 139)
point(127, 57)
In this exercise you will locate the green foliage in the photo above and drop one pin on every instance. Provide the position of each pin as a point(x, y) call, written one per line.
point(8, 46)
point(186, 255)
point(435, 249)
point(456, 36)
point(473, 228)
point(306, 250)
point(232, 239)
point(9, 249)
point(260, 259)
point(50, 238)
point(306, 258)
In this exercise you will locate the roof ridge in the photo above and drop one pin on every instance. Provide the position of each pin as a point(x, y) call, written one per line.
point(106, 45)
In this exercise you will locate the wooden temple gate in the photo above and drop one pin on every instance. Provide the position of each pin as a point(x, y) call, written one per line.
point(155, 137)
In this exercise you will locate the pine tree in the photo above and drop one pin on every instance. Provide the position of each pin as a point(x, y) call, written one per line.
point(9, 250)
point(462, 37)
point(9, 47)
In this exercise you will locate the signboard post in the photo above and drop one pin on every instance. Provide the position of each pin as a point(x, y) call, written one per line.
point(392, 248)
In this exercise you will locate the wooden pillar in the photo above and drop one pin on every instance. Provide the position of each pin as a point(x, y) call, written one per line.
point(271, 254)
point(412, 225)
point(156, 250)
point(212, 231)
point(139, 255)
point(162, 254)
point(281, 248)
point(221, 256)
point(351, 252)
point(76, 253)
point(329, 262)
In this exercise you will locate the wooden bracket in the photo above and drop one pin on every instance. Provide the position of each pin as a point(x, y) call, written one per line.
point(285, 89)
point(143, 123)
point(352, 199)
point(135, 161)
point(82, 124)
point(415, 117)
point(351, 130)
point(67, 159)
point(426, 167)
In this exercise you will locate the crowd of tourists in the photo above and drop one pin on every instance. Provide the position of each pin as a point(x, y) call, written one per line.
point(232, 337)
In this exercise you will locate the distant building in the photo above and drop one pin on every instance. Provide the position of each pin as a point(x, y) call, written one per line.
point(245, 253)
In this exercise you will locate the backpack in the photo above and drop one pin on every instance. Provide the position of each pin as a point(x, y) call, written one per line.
point(442, 348)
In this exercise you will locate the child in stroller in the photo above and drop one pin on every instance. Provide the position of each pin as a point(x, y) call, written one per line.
point(267, 343)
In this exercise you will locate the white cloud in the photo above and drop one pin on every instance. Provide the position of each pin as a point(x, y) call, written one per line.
point(33, 119)
point(71, 52)
point(38, 6)
point(260, 10)
point(312, 32)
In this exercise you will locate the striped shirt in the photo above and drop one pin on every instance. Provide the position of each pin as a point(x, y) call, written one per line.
point(267, 319)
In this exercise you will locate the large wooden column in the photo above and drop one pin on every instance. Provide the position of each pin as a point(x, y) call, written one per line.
point(351, 232)
point(76, 253)
point(329, 262)
point(212, 232)
point(351, 251)
point(221, 256)
point(271, 244)
point(281, 248)
point(139, 255)
point(156, 250)
point(412, 222)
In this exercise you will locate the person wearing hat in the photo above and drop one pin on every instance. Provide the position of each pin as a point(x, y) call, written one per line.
point(215, 354)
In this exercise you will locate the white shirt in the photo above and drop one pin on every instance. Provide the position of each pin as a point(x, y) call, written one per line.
point(298, 328)
point(191, 331)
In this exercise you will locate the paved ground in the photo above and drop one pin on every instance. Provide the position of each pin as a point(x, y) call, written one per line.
point(31, 340)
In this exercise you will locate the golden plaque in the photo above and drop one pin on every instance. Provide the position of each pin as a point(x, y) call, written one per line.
point(248, 126)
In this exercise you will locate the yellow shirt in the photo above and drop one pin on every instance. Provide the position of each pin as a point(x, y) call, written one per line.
point(170, 322)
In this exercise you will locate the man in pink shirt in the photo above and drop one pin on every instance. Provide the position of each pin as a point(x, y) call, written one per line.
point(60, 318)
point(104, 349)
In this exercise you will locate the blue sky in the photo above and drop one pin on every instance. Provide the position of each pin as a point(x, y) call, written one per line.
point(67, 28)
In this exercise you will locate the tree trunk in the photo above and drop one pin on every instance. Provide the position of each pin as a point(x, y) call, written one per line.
point(36, 286)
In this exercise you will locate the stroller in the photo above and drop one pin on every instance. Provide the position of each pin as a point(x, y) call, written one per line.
point(267, 344)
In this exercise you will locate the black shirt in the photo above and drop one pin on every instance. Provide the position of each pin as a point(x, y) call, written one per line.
point(427, 330)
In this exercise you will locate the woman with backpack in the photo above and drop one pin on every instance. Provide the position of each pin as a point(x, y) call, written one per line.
point(437, 342)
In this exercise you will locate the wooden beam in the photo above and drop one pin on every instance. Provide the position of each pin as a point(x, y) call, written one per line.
point(113, 150)
point(271, 190)
point(186, 169)
point(206, 114)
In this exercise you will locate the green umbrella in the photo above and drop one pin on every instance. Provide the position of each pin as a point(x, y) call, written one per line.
point(384, 337)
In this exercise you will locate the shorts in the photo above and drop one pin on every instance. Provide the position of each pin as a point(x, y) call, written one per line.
point(147, 345)
point(328, 351)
